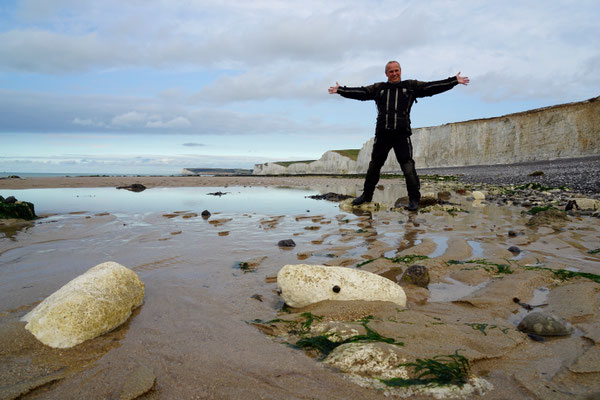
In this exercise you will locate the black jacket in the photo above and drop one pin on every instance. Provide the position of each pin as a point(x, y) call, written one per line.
point(394, 100)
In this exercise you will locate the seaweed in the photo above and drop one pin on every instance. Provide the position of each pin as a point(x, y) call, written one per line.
point(595, 251)
point(478, 327)
point(407, 259)
point(564, 274)
point(367, 262)
point(450, 369)
point(538, 209)
point(499, 268)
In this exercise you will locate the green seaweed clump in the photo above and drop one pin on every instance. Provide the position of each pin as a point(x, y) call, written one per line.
point(564, 274)
point(450, 369)
point(499, 268)
point(595, 251)
point(538, 209)
point(407, 259)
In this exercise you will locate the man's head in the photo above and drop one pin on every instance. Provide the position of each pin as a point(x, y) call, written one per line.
point(393, 71)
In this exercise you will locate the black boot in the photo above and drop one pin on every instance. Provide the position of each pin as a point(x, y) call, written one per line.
point(363, 198)
point(413, 204)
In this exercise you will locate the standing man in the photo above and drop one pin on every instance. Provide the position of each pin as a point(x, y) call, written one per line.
point(394, 100)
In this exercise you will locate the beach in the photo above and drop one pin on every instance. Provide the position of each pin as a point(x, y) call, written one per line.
point(206, 327)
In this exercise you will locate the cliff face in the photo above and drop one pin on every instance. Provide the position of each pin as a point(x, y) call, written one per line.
point(563, 131)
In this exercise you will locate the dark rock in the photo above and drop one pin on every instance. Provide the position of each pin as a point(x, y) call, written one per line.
point(514, 249)
point(536, 173)
point(571, 204)
point(11, 208)
point(512, 233)
point(136, 187)
point(217, 193)
point(424, 202)
point(205, 214)
point(416, 275)
point(330, 196)
point(544, 324)
point(286, 243)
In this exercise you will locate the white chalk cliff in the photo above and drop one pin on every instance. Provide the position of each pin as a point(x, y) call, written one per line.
point(561, 131)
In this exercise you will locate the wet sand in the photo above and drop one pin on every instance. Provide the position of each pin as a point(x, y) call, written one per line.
point(195, 330)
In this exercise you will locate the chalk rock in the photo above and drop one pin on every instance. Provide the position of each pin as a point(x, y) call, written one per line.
point(587, 204)
point(303, 284)
point(477, 195)
point(88, 306)
point(544, 324)
point(380, 360)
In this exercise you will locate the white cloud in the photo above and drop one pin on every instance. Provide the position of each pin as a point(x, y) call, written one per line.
point(131, 118)
point(178, 122)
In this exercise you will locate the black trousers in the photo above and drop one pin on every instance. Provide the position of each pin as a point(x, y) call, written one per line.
point(399, 141)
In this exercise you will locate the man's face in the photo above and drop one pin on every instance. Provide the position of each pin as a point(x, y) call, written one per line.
point(393, 72)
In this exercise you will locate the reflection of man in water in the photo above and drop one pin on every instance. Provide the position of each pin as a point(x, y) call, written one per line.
point(394, 100)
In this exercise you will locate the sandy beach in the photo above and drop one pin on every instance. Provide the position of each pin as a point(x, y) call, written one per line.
point(210, 330)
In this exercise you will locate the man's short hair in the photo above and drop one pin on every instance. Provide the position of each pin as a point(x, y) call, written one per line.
point(390, 62)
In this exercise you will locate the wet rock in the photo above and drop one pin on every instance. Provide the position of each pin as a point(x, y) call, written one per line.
point(205, 214)
point(22, 388)
point(219, 193)
point(551, 216)
point(90, 305)
point(12, 208)
point(381, 360)
point(544, 324)
point(140, 381)
point(444, 196)
point(286, 243)
point(136, 187)
point(416, 275)
point(512, 233)
point(331, 196)
point(514, 249)
point(571, 204)
point(537, 173)
point(304, 284)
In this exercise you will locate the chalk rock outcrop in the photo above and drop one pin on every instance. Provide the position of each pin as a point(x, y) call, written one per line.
point(90, 305)
point(304, 284)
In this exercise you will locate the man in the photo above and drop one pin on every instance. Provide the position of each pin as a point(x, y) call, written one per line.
point(394, 100)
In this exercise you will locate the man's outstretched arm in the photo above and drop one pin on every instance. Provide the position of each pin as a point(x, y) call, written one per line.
point(356, 93)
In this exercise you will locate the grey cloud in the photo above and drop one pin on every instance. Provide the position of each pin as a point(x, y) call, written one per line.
point(193, 144)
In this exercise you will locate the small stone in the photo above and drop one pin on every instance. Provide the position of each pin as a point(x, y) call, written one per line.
point(416, 275)
point(10, 200)
point(286, 243)
point(205, 214)
point(512, 233)
point(536, 173)
point(514, 249)
point(544, 324)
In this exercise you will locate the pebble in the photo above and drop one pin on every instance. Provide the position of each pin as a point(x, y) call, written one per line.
point(544, 324)
point(286, 243)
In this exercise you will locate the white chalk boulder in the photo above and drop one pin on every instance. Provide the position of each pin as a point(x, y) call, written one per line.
point(303, 284)
point(88, 306)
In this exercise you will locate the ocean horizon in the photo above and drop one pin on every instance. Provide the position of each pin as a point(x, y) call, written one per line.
point(71, 174)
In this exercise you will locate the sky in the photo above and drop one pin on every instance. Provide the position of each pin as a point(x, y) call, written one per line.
point(154, 86)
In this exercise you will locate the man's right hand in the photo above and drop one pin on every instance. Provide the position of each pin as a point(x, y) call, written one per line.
point(334, 89)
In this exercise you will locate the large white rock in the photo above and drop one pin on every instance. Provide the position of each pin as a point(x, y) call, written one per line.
point(304, 284)
point(88, 306)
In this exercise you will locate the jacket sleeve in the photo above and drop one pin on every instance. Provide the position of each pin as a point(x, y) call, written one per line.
point(358, 93)
point(424, 89)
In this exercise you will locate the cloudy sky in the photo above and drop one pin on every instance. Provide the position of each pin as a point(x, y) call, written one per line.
point(152, 86)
